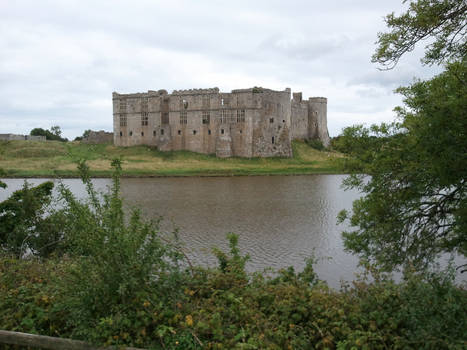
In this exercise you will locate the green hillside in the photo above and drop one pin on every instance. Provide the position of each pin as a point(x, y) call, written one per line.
point(53, 158)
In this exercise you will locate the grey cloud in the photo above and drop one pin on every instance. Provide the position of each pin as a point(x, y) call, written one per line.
point(60, 60)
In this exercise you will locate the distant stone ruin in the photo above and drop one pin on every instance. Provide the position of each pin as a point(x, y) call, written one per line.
point(16, 137)
point(100, 136)
point(255, 122)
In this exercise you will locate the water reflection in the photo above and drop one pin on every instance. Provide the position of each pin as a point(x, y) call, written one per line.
point(281, 220)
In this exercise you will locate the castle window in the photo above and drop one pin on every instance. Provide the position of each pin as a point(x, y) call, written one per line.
point(271, 120)
point(222, 101)
point(194, 132)
point(273, 140)
point(224, 116)
point(240, 116)
point(222, 131)
point(162, 131)
point(142, 133)
point(123, 120)
point(283, 121)
point(144, 118)
point(209, 132)
point(154, 133)
point(183, 117)
point(241, 131)
point(121, 134)
point(122, 106)
point(184, 104)
point(179, 132)
point(206, 117)
point(131, 133)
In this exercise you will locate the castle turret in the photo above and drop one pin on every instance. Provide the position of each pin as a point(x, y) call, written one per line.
point(317, 120)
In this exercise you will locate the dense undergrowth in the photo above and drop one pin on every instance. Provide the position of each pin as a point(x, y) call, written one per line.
point(115, 280)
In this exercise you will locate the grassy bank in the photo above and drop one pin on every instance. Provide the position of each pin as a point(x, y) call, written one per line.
point(53, 158)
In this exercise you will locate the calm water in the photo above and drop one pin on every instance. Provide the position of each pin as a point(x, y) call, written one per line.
point(281, 220)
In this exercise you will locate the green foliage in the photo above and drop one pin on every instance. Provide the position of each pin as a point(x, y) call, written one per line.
point(422, 311)
point(2, 173)
point(415, 204)
point(444, 22)
point(118, 264)
point(84, 136)
point(235, 263)
point(54, 134)
point(25, 227)
point(316, 144)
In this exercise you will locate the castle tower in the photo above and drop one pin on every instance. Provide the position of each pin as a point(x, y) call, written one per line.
point(317, 120)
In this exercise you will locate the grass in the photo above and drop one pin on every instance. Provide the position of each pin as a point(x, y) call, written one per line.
point(58, 159)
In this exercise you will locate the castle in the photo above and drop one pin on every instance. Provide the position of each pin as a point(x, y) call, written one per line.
point(254, 122)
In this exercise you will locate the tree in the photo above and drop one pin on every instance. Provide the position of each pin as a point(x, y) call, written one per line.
point(55, 130)
point(443, 22)
point(54, 134)
point(22, 218)
point(85, 135)
point(414, 204)
point(38, 132)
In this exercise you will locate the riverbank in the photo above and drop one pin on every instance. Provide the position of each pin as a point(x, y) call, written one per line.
point(58, 159)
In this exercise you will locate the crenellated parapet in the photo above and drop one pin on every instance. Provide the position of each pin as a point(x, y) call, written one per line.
point(196, 91)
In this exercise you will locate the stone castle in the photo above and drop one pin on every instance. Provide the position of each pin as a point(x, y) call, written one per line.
point(254, 122)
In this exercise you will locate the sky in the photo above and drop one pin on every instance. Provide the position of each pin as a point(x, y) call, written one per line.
point(61, 60)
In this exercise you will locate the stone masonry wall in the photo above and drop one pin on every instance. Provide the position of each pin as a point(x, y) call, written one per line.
point(100, 136)
point(309, 119)
point(254, 122)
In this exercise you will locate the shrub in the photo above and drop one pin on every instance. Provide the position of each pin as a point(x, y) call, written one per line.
point(119, 266)
point(316, 144)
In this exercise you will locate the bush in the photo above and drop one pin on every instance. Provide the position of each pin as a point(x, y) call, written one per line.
point(316, 144)
point(118, 264)
point(25, 226)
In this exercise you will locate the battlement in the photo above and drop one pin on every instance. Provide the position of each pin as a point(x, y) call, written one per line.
point(196, 91)
point(318, 99)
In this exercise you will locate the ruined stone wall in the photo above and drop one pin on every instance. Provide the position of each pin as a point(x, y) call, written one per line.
point(254, 122)
point(299, 117)
point(309, 119)
point(318, 125)
point(271, 129)
point(100, 136)
point(15, 137)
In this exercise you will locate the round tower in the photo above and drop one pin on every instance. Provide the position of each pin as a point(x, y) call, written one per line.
point(318, 119)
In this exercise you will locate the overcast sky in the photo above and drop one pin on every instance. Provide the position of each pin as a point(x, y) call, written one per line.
point(60, 60)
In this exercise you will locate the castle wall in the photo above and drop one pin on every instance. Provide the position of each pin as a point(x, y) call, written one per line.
point(299, 117)
point(100, 136)
point(309, 119)
point(253, 122)
point(15, 137)
point(271, 127)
